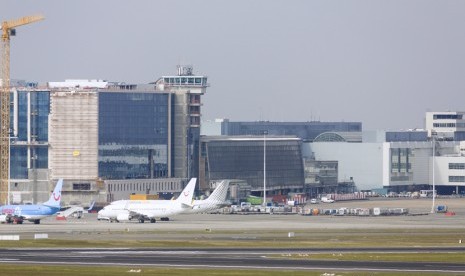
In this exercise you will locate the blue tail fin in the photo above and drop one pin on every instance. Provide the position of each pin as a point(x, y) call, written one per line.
point(55, 198)
point(91, 205)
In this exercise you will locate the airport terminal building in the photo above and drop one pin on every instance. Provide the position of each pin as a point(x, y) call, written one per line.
point(248, 157)
point(396, 161)
point(306, 131)
point(108, 140)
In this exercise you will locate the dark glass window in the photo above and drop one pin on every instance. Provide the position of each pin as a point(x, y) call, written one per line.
point(81, 186)
point(18, 162)
point(133, 135)
point(456, 178)
point(456, 166)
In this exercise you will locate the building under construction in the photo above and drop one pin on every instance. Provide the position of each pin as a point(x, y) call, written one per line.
point(98, 131)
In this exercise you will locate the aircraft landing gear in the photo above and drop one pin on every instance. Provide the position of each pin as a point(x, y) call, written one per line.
point(165, 219)
point(37, 221)
point(153, 220)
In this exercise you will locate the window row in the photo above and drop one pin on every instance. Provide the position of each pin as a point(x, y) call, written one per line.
point(456, 166)
point(448, 116)
point(456, 178)
point(143, 187)
point(186, 80)
point(444, 125)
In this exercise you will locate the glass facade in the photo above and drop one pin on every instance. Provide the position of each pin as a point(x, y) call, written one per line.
point(243, 159)
point(307, 131)
point(30, 130)
point(133, 135)
point(18, 162)
point(40, 104)
point(401, 164)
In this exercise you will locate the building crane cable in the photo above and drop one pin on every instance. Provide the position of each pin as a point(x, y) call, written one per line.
point(7, 29)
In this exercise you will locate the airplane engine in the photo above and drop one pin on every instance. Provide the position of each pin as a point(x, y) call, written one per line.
point(123, 217)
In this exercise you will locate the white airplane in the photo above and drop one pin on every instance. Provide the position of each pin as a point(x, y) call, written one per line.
point(33, 212)
point(142, 210)
point(215, 201)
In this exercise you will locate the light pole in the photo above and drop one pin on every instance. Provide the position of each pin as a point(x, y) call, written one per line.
point(9, 168)
point(433, 135)
point(264, 168)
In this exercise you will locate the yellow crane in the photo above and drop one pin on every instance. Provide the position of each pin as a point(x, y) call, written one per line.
point(8, 29)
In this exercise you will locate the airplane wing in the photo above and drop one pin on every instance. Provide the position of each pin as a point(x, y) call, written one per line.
point(186, 206)
point(141, 215)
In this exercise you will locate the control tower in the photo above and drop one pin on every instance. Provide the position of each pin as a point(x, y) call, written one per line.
point(187, 90)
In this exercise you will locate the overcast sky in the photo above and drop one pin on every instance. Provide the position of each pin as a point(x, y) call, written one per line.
point(383, 63)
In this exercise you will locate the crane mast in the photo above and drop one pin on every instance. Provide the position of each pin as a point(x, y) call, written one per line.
point(8, 29)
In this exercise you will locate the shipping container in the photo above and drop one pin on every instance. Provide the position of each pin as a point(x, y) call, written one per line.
point(143, 197)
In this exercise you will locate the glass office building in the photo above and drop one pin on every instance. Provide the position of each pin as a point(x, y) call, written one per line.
point(133, 134)
point(29, 124)
point(242, 158)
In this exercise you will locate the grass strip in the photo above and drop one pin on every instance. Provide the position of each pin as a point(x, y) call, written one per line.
point(39, 270)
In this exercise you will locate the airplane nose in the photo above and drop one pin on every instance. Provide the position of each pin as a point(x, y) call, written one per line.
point(102, 213)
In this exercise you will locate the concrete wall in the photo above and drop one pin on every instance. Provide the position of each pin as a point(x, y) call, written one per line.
point(442, 171)
point(73, 135)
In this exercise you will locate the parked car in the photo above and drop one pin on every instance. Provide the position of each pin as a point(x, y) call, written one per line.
point(313, 201)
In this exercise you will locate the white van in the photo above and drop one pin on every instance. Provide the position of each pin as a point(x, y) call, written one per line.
point(327, 200)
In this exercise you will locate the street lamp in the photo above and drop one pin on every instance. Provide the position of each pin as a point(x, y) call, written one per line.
point(264, 167)
point(433, 135)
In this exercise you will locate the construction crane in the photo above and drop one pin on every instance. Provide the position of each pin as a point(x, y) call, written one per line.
point(8, 29)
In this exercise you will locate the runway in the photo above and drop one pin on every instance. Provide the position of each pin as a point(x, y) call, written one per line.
point(312, 234)
point(224, 258)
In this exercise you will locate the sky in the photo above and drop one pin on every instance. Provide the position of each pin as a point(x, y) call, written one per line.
point(382, 63)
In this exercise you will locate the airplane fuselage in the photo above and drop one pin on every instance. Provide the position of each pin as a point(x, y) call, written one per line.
point(29, 212)
point(147, 208)
point(142, 210)
point(203, 206)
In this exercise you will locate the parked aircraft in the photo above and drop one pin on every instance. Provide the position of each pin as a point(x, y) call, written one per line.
point(33, 212)
point(215, 201)
point(142, 210)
